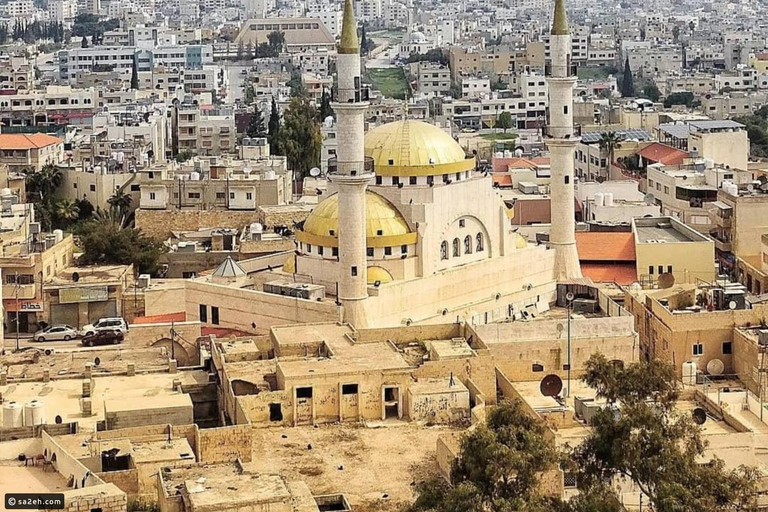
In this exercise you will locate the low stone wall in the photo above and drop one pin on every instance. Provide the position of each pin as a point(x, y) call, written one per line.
point(224, 444)
point(127, 481)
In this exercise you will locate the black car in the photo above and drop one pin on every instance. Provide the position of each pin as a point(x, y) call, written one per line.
point(103, 338)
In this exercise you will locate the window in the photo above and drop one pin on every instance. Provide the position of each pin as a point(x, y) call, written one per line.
point(567, 180)
point(349, 389)
point(303, 392)
point(93, 188)
point(335, 252)
point(203, 313)
point(467, 244)
point(378, 180)
point(320, 250)
point(231, 195)
point(462, 223)
point(727, 348)
point(669, 269)
point(369, 252)
point(650, 269)
point(456, 248)
point(412, 180)
point(194, 195)
point(309, 247)
point(395, 180)
point(214, 315)
point(387, 251)
point(221, 195)
point(404, 249)
point(661, 269)
point(444, 250)
point(152, 196)
point(354, 271)
point(536, 367)
point(698, 349)
point(479, 239)
point(249, 196)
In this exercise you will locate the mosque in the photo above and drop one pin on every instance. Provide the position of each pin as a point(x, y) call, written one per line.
point(410, 233)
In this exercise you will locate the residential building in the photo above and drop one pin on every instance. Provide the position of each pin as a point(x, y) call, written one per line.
point(22, 152)
point(433, 79)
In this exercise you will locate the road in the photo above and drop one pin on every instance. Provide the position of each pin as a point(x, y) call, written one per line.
point(235, 78)
point(57, 346)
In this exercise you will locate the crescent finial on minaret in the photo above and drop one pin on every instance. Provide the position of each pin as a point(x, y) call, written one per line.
point(560, 21)
point(349, 42)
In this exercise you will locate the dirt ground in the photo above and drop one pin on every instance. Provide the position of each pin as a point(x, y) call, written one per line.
point(380, 465)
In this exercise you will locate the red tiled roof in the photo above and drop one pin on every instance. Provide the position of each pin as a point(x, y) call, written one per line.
point(621, 273)
point(599, 246)
point(502, 179)
point(161, 319)
point(661, 153)
point(27, 141)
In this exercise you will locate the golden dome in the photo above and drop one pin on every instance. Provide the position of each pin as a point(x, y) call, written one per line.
point(379, 274)
point(414, 148)
point(385, 226)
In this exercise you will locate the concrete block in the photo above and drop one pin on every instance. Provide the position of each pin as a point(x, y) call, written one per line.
point(131, 369)
point(87, 407)
point(172, 366)
point(46, 375)
point(3, 378)
point(88, 370)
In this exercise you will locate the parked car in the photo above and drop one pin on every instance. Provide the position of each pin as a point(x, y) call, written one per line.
point(106, 324)
point(56, 333)
point(111, 337)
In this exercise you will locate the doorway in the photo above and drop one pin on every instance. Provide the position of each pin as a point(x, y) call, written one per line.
point(390, 403)
point(304, 405)
point(275, 412)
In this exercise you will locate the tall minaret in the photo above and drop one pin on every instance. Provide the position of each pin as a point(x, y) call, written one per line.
point(562, 142)
point(351, 176)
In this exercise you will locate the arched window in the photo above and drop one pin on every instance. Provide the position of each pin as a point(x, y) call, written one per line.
point(467, 244)
point(444, 250)
point(456, 248)
point(480, 245)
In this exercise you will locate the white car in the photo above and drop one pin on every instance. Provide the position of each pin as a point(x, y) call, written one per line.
point(106, 324)
point(56, 333)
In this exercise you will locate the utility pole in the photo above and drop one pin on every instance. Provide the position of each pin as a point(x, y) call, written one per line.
point(16, 289)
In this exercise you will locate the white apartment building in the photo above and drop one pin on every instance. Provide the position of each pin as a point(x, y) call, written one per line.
point(17, 9)
point(472, 87)
point(658, 59)
point(330, 16)
point(62, 11)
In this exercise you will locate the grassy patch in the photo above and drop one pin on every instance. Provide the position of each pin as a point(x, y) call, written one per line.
point(597, 73)
point(390, 81)
point(499, 136)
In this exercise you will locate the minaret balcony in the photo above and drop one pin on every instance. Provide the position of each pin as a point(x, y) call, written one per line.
point(351, 95)
point(350, 168)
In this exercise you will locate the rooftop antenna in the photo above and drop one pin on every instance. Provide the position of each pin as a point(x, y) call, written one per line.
point(451, 382)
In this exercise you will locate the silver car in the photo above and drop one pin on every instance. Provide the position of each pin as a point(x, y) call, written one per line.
point(56, 333)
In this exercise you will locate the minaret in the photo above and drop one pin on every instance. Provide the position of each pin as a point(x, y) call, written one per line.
point(351, 175)
point(562, 142)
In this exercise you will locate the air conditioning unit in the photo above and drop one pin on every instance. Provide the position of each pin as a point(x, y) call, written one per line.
point(34, 228)
point(585, 306)
point(144, 280)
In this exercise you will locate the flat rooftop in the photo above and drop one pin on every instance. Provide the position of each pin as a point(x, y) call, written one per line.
point(664, 230)
point(62, 397)
point(15, 477)
point(89, 275)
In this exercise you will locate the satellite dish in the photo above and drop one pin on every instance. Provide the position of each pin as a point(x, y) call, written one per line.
point(76, 276)
point(97, 361)
point(314, 171)
point(732, 305)
point(715, 367)
point(58, 420)
point(560, 327)
point(650, 199)
point(666, 280)
point(569, 296)
point(699, 416)
point(750, 188)
point(551, 385)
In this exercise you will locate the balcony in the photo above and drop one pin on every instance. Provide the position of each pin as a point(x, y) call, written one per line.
point(351, 168)
point(722, 222)
point(26, 291)
point(720, 245)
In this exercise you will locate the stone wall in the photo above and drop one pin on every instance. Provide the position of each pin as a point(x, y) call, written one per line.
point(127, 481)
point(224, 444)
point(256, 407)
point(104, 497)
point(160, 223)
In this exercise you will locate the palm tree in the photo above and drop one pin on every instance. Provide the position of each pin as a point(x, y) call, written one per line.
point(67, 210)
point(609, 143)
point(120, 201)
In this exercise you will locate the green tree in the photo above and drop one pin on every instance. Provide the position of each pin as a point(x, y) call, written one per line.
point(84, 42)
point(84, 209)
point(120, 202)
point(325, 109)
point(240, 51)
point(183, 156)
point(42, 184)
point(504, 121)
point(275, 43)
point(679, 98)
point(67, 211)
point(256, 127)
point(676, 34)
point(651, 91)
point(135, 75)
point(249, 93)
point(609, 143)
point(648, 441)
point(300, 139)
point(274, 129)
point(296, 83)
point(627, 81)
point(106, 240)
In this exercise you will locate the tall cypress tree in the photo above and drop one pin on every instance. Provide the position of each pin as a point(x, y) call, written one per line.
point(135, 75)
point(274, 129)
point(627, 83)
point(325, 107)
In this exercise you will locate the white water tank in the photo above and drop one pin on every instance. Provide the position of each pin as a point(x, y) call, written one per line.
point(507, 154)
point(58, 235)
point(194, 176)
point(498, 154)
point(609, 199)
point(13, 415)
point(256, 228)
point(599, 199)
point(6, 192)
point(690, 369)
point(34, 412)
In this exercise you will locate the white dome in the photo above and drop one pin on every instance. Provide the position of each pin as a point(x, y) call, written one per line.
point(417, 37)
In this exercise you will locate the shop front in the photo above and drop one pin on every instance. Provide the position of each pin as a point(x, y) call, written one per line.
point(27, 314)
point(81, 305)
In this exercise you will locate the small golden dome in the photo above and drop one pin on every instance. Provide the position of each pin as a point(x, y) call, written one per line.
point(385, 226)
point(379, 274)
point(414, 148)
